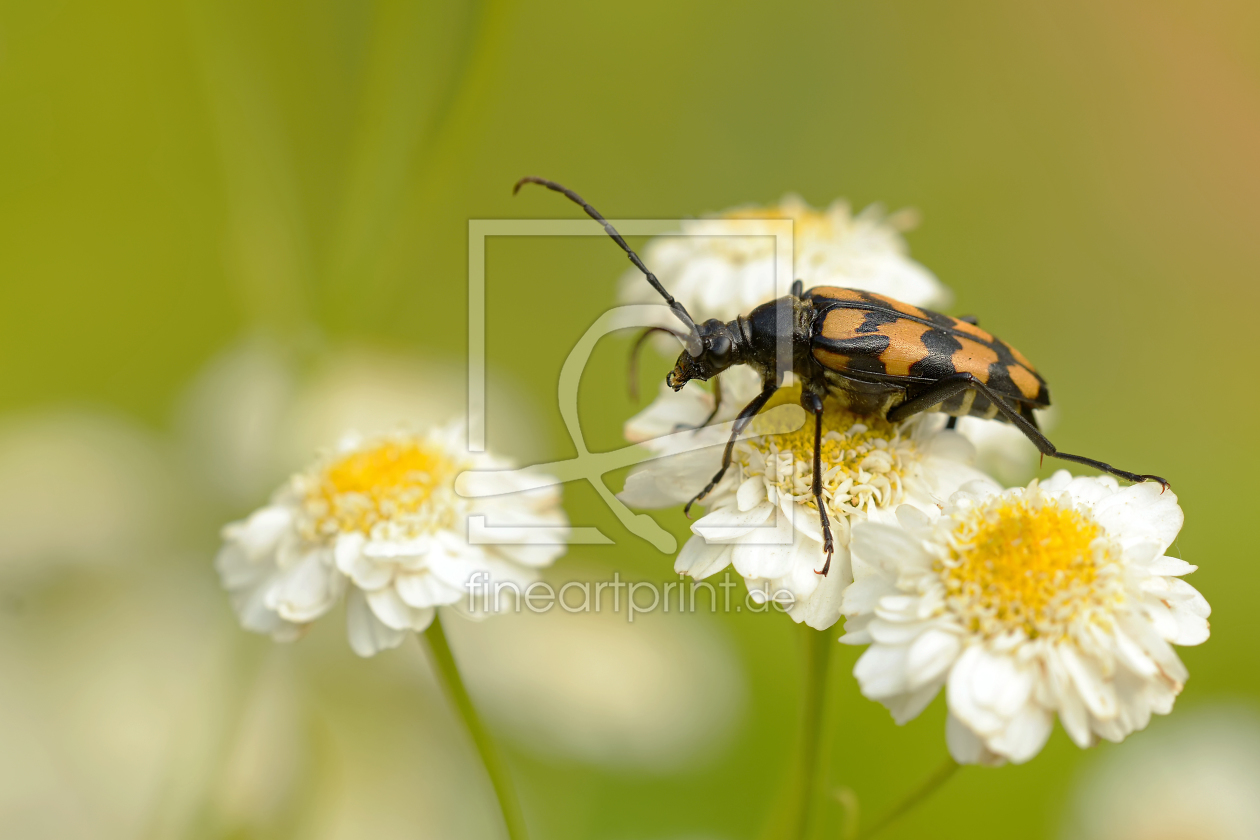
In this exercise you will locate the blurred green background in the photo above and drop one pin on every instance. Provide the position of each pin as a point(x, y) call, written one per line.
point(225, 228)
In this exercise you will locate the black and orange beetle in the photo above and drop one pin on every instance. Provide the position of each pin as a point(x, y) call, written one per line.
point(878, 356)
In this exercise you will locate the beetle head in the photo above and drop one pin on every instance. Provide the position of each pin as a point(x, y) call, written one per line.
point(721, 346)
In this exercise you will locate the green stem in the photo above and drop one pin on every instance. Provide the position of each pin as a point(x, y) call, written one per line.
point(496, 768)
point(810, 771)
point(922, 792)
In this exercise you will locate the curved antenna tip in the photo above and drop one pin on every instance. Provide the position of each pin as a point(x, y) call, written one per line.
point(528, 179)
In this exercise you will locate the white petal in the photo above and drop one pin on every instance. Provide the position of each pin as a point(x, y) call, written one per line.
point(306, 591)
point(1141, 513)
point(425, 589)
point(1072, 712)
point(985, 690)
point(862, 595)
point(751, 493)
point(236, 570)
point(1192, 629)
point(1099, 696)
point(260, 534)
point(391, 609)
point(1025, 735)
point(930, 656)
point(906, 707)
point(348, 551)
point(700, 560)
point(966, 747)
point(758, 556)
point(881, 671)
point(1170, 566)
point(367, 634)
point(821, 609)
point(726, 524)
point(888, 547)
point(1156, 647)
point(1189, 598)
point(367, 573)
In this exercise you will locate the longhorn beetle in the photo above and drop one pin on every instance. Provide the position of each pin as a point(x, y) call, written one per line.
point(876, 355)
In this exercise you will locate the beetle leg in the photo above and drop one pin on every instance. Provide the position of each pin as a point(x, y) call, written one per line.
point(717, 402)
point(814, 403)
point(632, 364)
point(951, 423)
point(741, 422)
point(947, 387)
point(798, 288)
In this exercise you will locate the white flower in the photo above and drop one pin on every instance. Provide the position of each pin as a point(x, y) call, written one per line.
point(380, 518)
point(1024, 603)
point(724, 276)
point(763, 518)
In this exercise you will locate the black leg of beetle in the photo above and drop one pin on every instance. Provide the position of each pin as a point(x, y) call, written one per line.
point(798, 289)
point(951, 423)
point(632, 366)
point(951, 385)
point(741, 422)
point(814, 403)
point(717, 402)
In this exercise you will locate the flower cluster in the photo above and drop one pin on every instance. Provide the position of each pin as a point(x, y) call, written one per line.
point(379, 520)
point(1052, 599)
point(762, 516)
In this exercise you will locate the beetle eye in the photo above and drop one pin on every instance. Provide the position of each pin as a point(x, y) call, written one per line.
point(720, 347)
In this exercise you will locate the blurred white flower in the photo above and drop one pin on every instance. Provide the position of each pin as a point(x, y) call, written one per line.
point(724, 276)
point(1195, 777)
point(1024, 603)
point(79, 487)
point(662, 693)
point(379, 517)
point(254, 413)
point(112, 705)
point(763, 518)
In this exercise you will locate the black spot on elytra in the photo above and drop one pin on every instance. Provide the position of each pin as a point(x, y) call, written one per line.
point(876, 318)
point(1000, 381)
point(939, 362)
point(863, 352)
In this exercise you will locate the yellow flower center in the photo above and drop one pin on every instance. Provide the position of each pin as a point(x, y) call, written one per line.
point(1029, 563)
point(400, 481)
point(865, 460)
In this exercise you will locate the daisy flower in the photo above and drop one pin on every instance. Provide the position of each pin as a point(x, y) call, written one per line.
point(725, 276)
point(1057, 597)
point(762, 517)
point(378, 520)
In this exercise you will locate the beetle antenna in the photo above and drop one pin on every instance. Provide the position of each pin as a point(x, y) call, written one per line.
point(693, 339)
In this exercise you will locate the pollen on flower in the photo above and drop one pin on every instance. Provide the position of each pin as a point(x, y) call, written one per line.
point(1030, 563)
point(400, 482)
point(865, 460)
